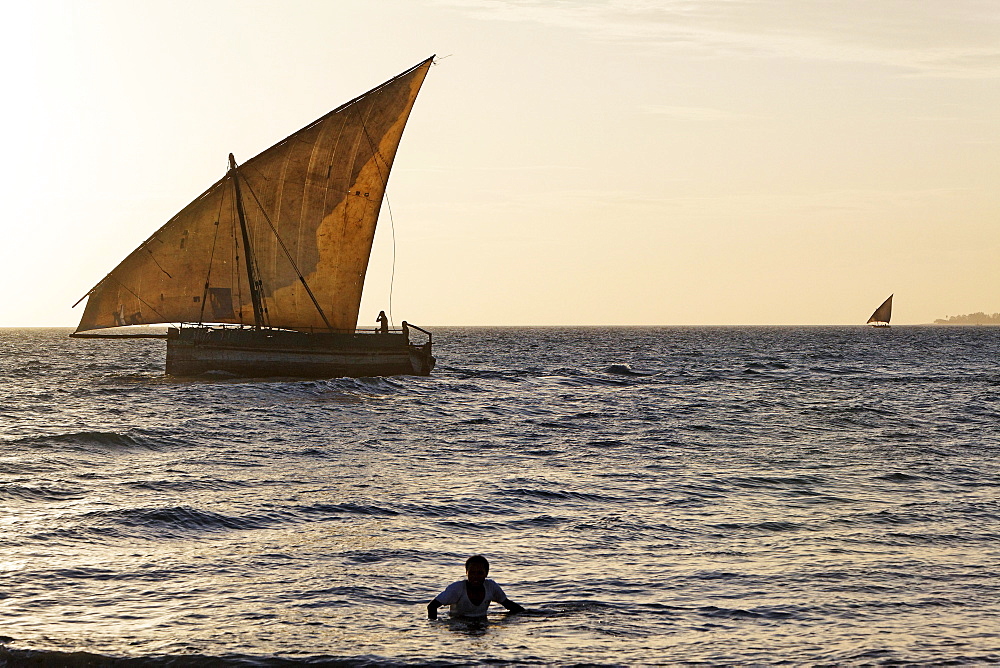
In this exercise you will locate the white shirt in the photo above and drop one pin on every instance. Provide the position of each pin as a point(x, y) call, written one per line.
point(458, 598)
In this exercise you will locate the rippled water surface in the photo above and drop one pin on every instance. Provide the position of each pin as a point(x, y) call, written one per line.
point(660, 495)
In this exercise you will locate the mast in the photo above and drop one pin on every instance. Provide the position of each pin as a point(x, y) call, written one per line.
point(258, 311)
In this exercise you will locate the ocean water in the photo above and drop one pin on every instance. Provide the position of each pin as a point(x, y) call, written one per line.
point(825, 495)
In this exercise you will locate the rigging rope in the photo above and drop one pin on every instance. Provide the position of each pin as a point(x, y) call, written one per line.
point(385, 195)
point(392, 228)
point(211, 257)
point(288, 256)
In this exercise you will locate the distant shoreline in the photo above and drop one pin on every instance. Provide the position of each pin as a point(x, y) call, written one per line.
point(979, 318)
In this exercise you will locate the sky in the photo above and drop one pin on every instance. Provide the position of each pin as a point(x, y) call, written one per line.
point(567, 162)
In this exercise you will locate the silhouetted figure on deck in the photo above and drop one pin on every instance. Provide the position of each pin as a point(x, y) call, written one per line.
point(383, 322)
point(471, 597)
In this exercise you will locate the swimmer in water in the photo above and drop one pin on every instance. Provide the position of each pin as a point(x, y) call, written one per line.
point(472, 596)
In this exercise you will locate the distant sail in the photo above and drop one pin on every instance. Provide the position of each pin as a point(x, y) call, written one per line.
point(311, 204)
point(882, 313)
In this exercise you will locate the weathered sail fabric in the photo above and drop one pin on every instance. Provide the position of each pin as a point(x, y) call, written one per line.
point(311, 202)
point(883, 312)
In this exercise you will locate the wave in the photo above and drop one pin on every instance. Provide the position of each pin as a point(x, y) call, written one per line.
point(81, 659)
point(153, 524)
point(379, 556)
point(739, 613)
point(626, 370)
point(762, 527)
point(558, 495)
point(186, 485)
point(346, 509)
point(175, 521)
point(836, 371)
point(94, 440)
point(26, 492)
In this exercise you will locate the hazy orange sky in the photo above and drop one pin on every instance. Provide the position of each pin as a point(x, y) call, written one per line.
point(576, 162)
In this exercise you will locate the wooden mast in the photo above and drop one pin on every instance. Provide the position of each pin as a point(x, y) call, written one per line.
point(258, 311)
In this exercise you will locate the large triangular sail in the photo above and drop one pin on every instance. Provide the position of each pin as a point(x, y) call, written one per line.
point(311, 203)
point(882, 313)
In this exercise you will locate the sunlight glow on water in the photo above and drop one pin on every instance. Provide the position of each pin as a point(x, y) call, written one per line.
point(650, 495)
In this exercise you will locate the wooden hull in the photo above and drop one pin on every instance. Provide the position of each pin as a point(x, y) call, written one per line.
point(193, 351)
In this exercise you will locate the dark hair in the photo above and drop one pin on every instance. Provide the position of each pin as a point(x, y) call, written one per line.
point(477, 559)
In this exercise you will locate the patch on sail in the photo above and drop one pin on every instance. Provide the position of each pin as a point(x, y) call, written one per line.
point(221, 301)
point(123, 319)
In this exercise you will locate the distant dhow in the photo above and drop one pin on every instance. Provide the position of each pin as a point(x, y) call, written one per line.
point(880, 318)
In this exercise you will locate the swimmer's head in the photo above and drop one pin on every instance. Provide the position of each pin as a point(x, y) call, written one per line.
point(477, 568)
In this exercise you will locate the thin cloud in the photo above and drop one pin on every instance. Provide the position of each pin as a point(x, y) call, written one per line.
point(494, 168)
point(947, 39)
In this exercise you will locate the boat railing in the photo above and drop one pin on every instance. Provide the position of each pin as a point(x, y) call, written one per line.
point(229, 326)
point(409, 325)
point(359, 330)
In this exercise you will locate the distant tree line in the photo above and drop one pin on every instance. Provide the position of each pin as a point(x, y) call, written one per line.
point(979, 318)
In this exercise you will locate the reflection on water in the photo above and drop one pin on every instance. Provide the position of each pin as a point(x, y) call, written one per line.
point(469, 626)
point(715, 495)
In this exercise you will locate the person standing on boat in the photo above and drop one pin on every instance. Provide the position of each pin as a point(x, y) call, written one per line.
point(383, 322)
